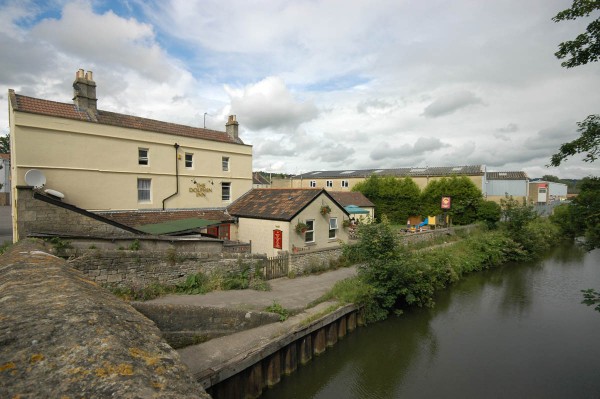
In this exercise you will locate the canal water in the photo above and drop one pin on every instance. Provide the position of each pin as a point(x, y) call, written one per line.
point(517, 331)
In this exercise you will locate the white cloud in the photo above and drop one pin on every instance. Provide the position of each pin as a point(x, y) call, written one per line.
point(450, 103)
point(321, 85)
point(270, 104)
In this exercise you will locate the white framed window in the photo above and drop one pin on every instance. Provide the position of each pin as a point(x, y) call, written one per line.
point(309, 236)
point(225, 163)
point(189, 160)
point(226, 191)
point(143, 156)
point(313, 183)
point(333, 227)
point(329, 183)
point(345, 184)
point(144, 189)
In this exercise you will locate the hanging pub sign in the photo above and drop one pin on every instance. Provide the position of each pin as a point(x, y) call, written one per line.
point(446, 202)
point(277, 239)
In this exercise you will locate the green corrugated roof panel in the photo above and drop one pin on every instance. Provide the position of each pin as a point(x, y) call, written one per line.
point(175, 226)
point(353, 209)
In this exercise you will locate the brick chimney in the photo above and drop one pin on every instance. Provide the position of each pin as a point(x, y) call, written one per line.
point(84, 92)
point(231, 127)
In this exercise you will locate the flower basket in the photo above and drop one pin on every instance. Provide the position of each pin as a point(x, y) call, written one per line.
point(325, 210)
point(301, 228)
point(346, 223)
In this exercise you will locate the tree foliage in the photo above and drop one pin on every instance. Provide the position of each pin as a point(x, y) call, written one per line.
point(490, 213)
point(588, 142)
point(466, 198)
point(586, 46)
point(581, 217)
point(5, 144)
point(396, 198)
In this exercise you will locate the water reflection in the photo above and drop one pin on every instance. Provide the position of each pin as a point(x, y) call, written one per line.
point(515, 331)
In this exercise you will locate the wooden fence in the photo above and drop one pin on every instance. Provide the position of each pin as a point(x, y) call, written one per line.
point(277, 266)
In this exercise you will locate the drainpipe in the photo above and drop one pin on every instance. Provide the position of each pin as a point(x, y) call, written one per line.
point(176, 177)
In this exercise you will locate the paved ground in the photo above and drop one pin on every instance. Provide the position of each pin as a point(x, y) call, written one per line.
point(293, 294)
point(5, 224)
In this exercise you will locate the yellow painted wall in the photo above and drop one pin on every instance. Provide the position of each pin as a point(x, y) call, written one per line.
point(260, 231)
point(421, 181)
point(96, 166)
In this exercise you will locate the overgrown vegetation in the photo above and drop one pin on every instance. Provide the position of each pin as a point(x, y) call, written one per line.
point(392, 277)
point(398, 199)
point(278, 309)
point(59, 244)
point(4, 247)
point(198, 283)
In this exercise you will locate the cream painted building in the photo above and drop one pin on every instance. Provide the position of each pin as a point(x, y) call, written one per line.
point(104, 160)
point(344, 180)
point(268, 218)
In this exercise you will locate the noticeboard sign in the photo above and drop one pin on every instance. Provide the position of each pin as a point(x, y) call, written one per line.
point(446, 202)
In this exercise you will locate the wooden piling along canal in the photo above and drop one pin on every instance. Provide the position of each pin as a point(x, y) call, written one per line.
point(281, 357)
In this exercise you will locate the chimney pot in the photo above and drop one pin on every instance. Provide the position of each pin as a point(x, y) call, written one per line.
point(88, 75)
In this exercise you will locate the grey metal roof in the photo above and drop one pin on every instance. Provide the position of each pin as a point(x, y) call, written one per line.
point(471, 170)
point(506, 176)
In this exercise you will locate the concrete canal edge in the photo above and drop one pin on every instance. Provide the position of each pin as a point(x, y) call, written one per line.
point(242, 365)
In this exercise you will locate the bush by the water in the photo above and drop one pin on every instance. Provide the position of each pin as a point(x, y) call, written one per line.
point(392, 277)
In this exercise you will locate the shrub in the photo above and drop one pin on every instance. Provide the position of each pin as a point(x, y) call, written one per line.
point(280, 310)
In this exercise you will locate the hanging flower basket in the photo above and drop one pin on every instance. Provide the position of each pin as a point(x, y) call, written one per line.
point(301, 228)
point(346, 223)
point(325, 210)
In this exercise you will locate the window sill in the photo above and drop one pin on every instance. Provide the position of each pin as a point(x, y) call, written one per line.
point(310, 244)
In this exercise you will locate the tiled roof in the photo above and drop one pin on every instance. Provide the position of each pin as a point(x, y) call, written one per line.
point(258, 178)
point(506, 176)
point(141, 218)
point(274, 203)
point(70, 111)
point(346, 198)
point(469, 170)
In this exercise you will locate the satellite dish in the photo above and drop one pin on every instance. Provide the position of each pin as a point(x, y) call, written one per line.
point(35, 178)
point(54, 193)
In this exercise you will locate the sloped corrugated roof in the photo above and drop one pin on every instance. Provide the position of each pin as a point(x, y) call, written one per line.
point(346, 198)
point(70, 111)
point(143, 217)
point(506, 176)
point(469, 170)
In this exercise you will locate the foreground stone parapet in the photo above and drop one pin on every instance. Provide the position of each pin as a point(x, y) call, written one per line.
point(62, 336)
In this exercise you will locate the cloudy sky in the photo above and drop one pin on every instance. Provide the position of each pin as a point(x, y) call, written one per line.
point(322, 85)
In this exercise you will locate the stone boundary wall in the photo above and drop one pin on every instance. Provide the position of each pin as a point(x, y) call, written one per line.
point(37, 216)
point(430, 235)
point(63, 336)
point(142, 268)
point(301, 262)
point(184, 325)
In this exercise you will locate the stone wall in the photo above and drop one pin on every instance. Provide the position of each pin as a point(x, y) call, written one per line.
point(318, 258)
point(141, 268)
point(47, 215)
point(63, 336)
point(184, 325)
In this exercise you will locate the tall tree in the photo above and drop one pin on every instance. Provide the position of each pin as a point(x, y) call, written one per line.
point(5, 144)
point(585, 214)
point(466, 198)
point(583, 49)
point(396, 198)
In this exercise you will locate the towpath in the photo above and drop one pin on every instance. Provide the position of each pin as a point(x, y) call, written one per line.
point(291, 293)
